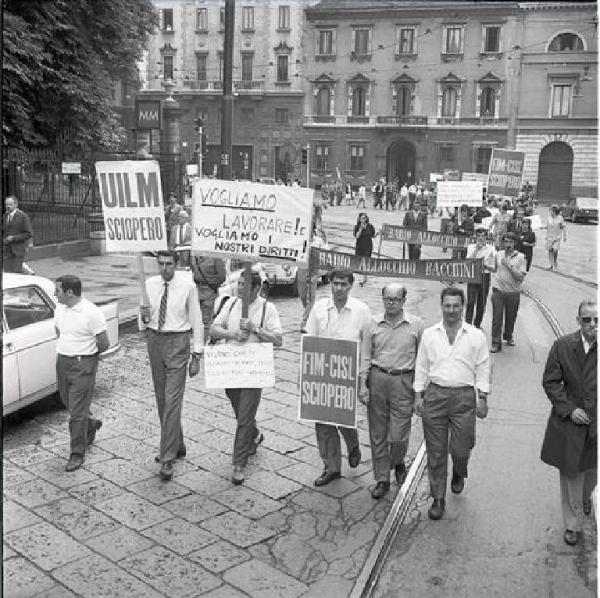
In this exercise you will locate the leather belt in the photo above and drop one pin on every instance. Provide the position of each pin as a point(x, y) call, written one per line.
point(168, 332)
point(393, 371)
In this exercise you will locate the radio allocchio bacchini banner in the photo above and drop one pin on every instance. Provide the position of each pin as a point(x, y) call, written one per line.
point(448, 270)
point(506, 173)
point(453, 194)
point(132, 205)
point(416, 236)
point(251, 221)
point(329, 371)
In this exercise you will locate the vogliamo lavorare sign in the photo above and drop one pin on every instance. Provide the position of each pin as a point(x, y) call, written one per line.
point(132, 205)
point(251, 221)
point(506, 172)
point(415, 236)
point(148, 114)
point(451, 270)
point(329, 369)
point(453, 194)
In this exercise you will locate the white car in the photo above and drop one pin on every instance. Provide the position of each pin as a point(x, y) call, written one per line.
point(29, 339)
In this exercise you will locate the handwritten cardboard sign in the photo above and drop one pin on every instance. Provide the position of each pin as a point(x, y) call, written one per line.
point(239, 366)
point(453, 194)
point(329, 369)
point(132, 205)
point(251, 221)
point(506, 172)
point(415, 236)
point(453, 270)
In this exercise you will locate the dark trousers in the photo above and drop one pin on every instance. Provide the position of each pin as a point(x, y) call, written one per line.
point(378, 201)
point(245, 402)
point(330, 447)
point(206, 298)
point(12, 263)
point(448, 424)
point(76, 377)
point(477, 295)
point(391, 403)
point(414, 252)
point(505, 307)
point(169, 355)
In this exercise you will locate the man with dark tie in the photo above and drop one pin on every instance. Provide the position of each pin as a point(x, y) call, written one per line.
point(16, 233)
point(415, 218)
point(173, 313)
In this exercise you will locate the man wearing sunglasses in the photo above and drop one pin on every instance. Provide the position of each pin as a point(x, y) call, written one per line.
point(570, 443)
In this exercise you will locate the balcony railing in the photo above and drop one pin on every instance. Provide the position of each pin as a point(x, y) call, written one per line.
point(218, 85)
point(406, 121)
point(402, 120)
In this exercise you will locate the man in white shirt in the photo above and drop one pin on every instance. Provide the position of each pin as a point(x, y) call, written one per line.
point(82, 336)
point(403, 197)
point(511, 268)
point(262, 325)
point(451, 387)
point(173, 313)
point(181, 237)
point(343, 317)
point(362, 196)
point(412, 196)
point(477, 293)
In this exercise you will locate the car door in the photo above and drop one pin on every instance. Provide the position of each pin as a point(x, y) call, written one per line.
point(29, 316)
point(10, 370)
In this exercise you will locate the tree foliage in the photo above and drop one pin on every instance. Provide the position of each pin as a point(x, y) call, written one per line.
point(60, 61)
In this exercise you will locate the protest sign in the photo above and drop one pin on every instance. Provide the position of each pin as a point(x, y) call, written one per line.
point(476, 176)
point(244, 220)
point(452, 270)
point(132, 205)
point(329, 371)
point(416, 236)
point(191, 169)
point(453, 194)
point(434, 177)
point(506, 173)
point(239, 366)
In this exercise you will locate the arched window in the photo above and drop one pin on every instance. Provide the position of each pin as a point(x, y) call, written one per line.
point(488, 102)
point(323, 101)
point(449, 102)
point(566, 42)
point(359, 96)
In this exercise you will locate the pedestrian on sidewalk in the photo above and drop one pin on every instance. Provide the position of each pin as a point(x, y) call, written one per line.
point(511, 269)
point(16, 234)
point(261, 326)
point(173, 313)
point(209, 274)
point(452, 380)
point(343, 317)
point(415, 218)
point(82, 336)
point(364, 233)
point(390, 401)
point(571, 439)
point(477, 293)
point(555, 230)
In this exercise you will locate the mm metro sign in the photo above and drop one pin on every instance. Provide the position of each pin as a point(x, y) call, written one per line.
point(148, 114)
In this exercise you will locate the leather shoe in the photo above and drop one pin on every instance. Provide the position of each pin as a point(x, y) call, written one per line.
point(327, 477)
point(354, 457)
point(75, 462)
point(380, 490)
point(181, 453)
point(587, 507)
point(571, 537)
point(166, 471)
point(400, 473)
point(257, 441)
point(510, 342)
point(237, 477)
point(495, 349)
point(436, 510)
point(91, 436)
point(457, 484)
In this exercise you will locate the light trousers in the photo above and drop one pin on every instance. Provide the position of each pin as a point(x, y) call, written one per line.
point(574, 489)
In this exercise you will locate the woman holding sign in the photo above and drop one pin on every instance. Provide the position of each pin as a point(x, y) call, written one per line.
point(364, 233)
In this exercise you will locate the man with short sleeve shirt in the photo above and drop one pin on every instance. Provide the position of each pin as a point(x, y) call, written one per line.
point(261, 326)
point(451, 387)
point(477, 293)
point(511, 268)
point(343, 317)
point(173, 313)
point(82, 336)
point(393, 349)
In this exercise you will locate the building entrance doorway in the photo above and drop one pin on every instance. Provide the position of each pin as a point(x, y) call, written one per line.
point(555, 173)
point(401, 156)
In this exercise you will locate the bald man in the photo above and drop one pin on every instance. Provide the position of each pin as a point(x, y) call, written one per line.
point(390, 399)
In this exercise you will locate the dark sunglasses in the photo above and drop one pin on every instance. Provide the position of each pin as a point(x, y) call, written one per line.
point(588, 319)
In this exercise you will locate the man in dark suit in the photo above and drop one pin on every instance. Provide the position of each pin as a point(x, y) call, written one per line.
point(16, 233)
point(415, 218)
point(570, 443)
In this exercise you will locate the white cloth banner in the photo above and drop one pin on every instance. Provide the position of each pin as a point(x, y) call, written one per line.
point(132, 205)
point(251, 221)
point(453, 194)
point(239, 366)
point(475, 176)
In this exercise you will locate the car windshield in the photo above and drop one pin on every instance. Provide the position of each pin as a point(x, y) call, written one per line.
point(587, 203)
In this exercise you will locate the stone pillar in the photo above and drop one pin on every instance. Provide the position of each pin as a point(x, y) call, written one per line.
point(170, 145)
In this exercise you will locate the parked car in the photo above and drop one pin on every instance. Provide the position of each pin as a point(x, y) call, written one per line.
point(580, 208)
point(29, 339)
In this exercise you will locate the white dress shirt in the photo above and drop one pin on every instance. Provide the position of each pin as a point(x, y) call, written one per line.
point(78, 327)
point(487, 253)
point(464, 363)
point(354, 322)
point(183, 309)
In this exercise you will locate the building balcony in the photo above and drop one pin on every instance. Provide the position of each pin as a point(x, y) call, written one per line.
point(393, 121)
point(408, 120)
point(205, 85)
